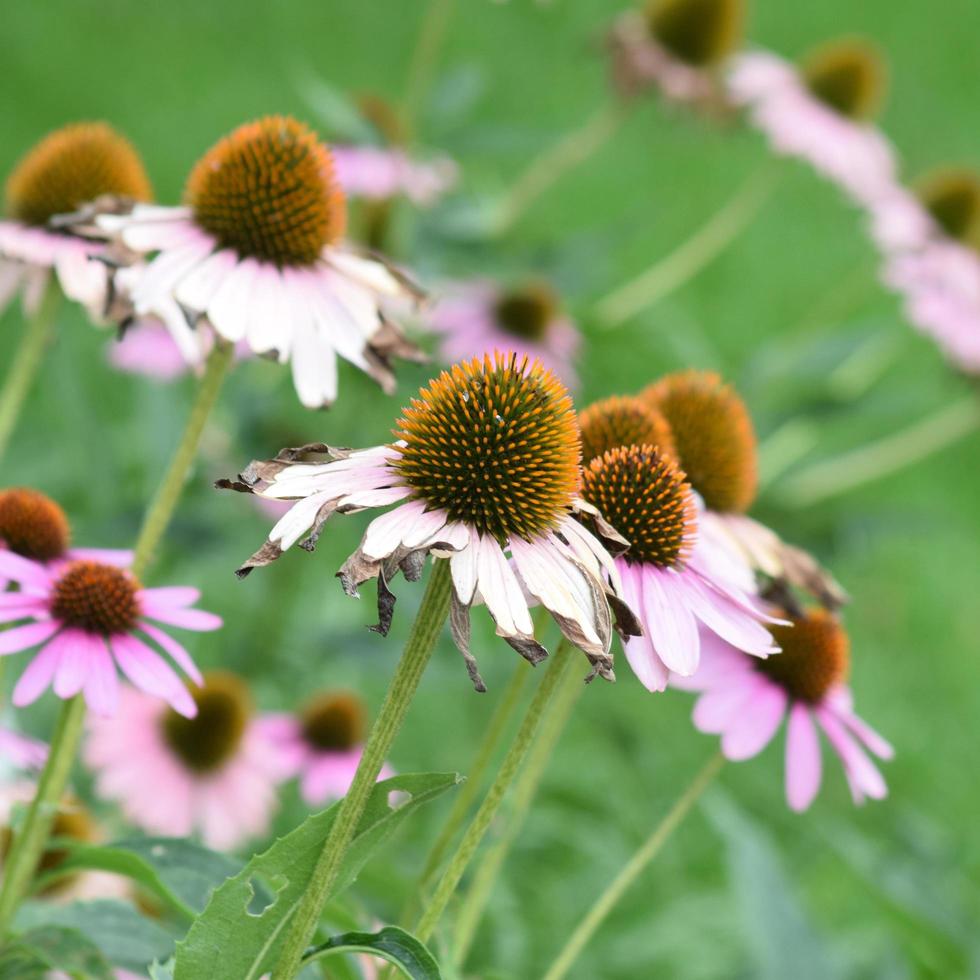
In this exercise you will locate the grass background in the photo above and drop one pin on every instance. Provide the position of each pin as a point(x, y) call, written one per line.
point(745, 888)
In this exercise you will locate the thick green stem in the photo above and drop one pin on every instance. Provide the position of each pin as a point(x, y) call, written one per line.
point(882, 458)
point(428, 625)
point(474, 777)
point(162, 506)
point(689, 258)
point(525, 789)
point(548, 168)
point(27, 360)
point(509, 768)
point(29, 842)
point(632, 870)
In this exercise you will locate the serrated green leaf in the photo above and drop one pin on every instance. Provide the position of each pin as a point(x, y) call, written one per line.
point(237, 937)
point(34, 954)
point(392, 944)
point(124, 937)
point(179, 872)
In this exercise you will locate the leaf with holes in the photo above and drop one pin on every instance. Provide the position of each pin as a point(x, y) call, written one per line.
point(237, 936)
point(391, 943)
point(178, 872)
point(34, 955)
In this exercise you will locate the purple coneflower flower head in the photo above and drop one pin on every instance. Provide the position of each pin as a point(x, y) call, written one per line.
point(257, 256)
point(676, 47)
point(822, 113)
point(745, 700)
point(214, 774)
point(34, 526)
point(481, 317)
point(670, 577)
point(484, 474)
point(322, 745)
point(66, 170)
point(89, 618)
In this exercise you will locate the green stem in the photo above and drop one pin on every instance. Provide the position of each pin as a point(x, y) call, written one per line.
point(29, 842)
point(27, 360)
point(435, 23)
point(688, 259)
point(474, 778)
point(428, 625)
point(512, 762)
point(525, 789)
point(882, 458)
point(548, 168)
point(632, 870)
point(162, 506)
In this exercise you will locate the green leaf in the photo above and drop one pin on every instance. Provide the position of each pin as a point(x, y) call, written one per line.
point(124, 937)
point(336, 112)
point(178, 872)
point(237, 936)
point(162, 971)
point(34, 954)
point(391, 943)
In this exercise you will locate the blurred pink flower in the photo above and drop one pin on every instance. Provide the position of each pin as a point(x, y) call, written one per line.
point(377, 174)
point(87, 617)
point(480, 317)
point(745, 700)
point(147, 348)
point(215, 774)
point(22, 751)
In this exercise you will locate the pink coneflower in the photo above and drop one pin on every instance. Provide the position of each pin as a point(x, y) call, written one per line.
point(821, 113)
point(21, 751)
point(486, 462)
point(34, 526)
point(380, 173)
point(714, 442)
point(322, 745)
point(147, 348)
point(670, 578)
point(257, 256)
point(745, 700)
point(68, 168)
point(214, 774)
point(480, 317)
point(89, 617)
point(675, 47)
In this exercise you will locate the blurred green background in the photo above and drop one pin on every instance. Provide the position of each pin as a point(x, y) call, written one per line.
point(790, 313)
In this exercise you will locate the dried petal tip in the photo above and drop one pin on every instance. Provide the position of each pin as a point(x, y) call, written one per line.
point(206, 741)
point(494, 443)
point(848, 76)
point(615, 422)
point(32, 524)
point(698, 32)
point(269, 192)
point(72, 166)
point(527, 311)
point(645, 497)
point(815, 656)
point(952, 197)
point(713, 437)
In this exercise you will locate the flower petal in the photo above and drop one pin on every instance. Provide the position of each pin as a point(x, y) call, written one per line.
point(803, 762)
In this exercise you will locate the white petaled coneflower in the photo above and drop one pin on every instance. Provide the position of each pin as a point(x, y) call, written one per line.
point(929, 238)
point(822, 112)
point(744, 700)
point(677, 583)
point(486, 465)
point(257, 254)
point(714, 442)
point(68, 169)
point(480, 317)
point(676, 47)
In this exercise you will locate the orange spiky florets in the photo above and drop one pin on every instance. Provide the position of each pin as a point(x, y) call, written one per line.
point(643, 494)
point(32, 524)
point(713, 437)
point(96, 598)
point(268, 190)
point(494, 443)
point(623, 421)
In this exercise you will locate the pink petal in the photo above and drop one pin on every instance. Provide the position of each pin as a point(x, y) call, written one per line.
point(172, 596)
point(875, 742)
point(75, 663)
point(24, 571)
point(803, 764)
point(102, 682)
point(752, 731)
point(188, 619)
point(668, 620)
point(120, 557)
point(151, 674)
point(861, 772)
point(180, 656)
point(37, 677)
point(720, 707)
point(22, 637)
